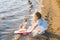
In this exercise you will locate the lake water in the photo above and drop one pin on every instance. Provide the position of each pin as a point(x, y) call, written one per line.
point(11, 14)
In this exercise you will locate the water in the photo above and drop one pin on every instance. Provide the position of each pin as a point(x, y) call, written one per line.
point(11, 14)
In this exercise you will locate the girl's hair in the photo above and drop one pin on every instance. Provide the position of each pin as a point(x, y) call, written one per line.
point(38, 14)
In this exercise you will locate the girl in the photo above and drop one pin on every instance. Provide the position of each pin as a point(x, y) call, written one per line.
point(40, 24)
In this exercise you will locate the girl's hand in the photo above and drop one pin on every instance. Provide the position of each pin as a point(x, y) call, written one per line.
point(29, 31)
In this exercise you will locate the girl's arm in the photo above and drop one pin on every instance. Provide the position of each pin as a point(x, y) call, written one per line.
point(33, 27)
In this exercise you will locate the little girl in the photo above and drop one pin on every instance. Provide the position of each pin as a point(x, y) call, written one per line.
point(40, 25)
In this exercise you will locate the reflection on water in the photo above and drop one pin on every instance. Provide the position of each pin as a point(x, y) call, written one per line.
point(11, 13)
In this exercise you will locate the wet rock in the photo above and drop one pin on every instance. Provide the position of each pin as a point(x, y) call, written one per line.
point(3, 18)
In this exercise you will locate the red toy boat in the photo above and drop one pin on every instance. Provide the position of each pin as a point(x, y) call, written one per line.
point(24, 32)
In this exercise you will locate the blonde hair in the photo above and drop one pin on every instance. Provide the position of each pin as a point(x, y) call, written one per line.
point(34, 21)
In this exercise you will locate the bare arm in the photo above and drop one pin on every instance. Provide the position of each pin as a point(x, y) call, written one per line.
point(34, 27)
